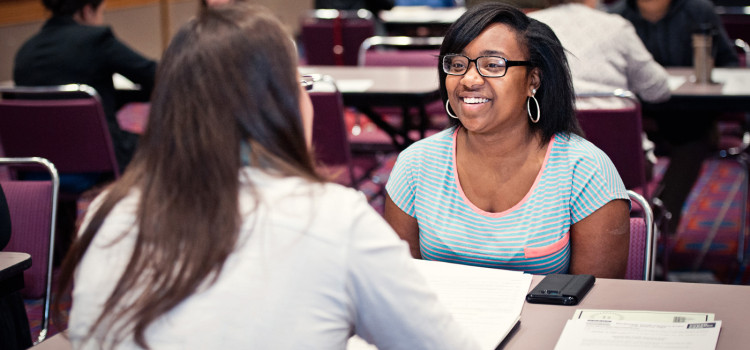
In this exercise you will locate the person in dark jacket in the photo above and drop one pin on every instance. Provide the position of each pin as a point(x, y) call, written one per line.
point(666, 27)
point(74, 48)
point(687, 137)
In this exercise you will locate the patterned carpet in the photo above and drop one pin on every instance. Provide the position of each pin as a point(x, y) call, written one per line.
point(706, 241)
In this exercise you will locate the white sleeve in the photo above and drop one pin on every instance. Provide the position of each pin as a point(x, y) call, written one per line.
point(646, 77)
point(393, 307)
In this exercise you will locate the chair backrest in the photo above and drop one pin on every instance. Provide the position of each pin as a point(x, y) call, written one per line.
point(332, 37)
point(618, 132)
point(399, 51)
point(642, 241)
point(33, 211)
point(329, 138)
point(64, 124)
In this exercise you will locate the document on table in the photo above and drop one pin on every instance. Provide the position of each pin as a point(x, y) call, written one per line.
point(487, 302)
point(643, 316)
point(639, 329)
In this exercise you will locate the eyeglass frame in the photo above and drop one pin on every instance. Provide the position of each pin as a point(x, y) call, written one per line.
point(508, 64)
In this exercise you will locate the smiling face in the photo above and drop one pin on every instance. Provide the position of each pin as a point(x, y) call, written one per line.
point(487, 105)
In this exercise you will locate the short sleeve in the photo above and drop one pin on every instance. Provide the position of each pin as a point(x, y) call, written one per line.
point(401, 186)
point(596, 182)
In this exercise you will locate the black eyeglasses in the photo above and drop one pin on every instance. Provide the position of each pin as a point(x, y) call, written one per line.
point(487, 66)
point(308, 81)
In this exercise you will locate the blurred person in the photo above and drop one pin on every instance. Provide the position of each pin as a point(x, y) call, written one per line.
point(74, 47)
point(604, 52)
point(511, 184)
point(220, 234)
point(687, 137)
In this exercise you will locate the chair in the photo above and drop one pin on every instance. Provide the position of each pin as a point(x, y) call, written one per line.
point(330, 137)
point(618, 132)
point(410, 51)
point(332, 37)
point(643, 234)
point(64, 124)
point(400, 51)
point(33, 211)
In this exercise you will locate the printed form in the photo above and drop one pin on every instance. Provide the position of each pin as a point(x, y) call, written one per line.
point(639, 329)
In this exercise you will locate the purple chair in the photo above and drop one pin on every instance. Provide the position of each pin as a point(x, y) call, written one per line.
point(617, 132)
point(642, 241)
point(33, 211)
point(64, 124)
point(399, 51)
point(332, 37)
point(331, 138)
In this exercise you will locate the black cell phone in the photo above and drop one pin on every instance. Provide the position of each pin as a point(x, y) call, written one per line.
point(561, 289)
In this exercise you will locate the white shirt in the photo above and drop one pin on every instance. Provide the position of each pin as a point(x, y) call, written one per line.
point(605, 53)
point(314, 265)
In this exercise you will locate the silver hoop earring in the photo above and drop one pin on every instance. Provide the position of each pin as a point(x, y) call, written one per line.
point(448, 110)
point(528, 107)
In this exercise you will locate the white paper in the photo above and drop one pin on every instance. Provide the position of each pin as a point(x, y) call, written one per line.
point(675, 82)
point(643, 316)
point(354, 85)
point(487, 302)
point(625, 335)
point(735, 82)
point(122, 83)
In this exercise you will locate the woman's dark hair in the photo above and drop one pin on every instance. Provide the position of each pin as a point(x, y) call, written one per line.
point(555, 93)
point(69, 7)
point(227, 88)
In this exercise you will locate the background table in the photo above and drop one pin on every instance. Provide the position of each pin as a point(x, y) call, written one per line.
point(368, 87)
point(730, 92)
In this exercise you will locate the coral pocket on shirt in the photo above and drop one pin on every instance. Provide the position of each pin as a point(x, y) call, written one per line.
point(535, 252)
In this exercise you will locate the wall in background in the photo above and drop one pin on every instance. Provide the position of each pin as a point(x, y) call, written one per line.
point(135, 22)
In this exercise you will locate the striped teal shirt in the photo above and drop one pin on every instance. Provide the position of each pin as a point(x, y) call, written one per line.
point(533, 236)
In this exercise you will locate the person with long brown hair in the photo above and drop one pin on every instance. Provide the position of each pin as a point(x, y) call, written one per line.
point(221, 235)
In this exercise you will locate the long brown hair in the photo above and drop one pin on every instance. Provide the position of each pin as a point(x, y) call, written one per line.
point(227, 85)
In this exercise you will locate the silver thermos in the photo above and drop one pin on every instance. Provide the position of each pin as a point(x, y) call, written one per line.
point(703, 59)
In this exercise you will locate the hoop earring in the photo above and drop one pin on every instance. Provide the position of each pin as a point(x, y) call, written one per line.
point(528, 107)
point(448, 110)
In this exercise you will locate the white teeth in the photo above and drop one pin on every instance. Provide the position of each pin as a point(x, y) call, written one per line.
point(473, 100)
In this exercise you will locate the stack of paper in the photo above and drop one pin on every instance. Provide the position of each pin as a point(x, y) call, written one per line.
point(487, 302)
point(632, 329)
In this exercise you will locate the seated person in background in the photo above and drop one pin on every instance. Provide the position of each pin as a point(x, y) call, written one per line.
point(687, 137)
point(74, 48)
point(604, 52)
point(666, 28)
point(221, 223)
point(511, 185)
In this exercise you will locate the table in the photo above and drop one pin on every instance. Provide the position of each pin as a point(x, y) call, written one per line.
point(368, 87)
point(729, 93)
point(12, 266)
point(420, 20)
point(541, 325)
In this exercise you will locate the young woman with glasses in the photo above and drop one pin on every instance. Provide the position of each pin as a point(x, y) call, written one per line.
point(220, 235)
point(511, 184)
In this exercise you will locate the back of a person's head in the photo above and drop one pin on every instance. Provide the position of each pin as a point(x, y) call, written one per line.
point(69, 7)
point(228, 76)
point(226, 85)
